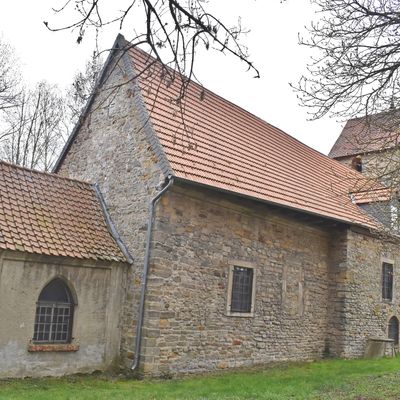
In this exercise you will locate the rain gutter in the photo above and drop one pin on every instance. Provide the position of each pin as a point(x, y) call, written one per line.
point(111, 226)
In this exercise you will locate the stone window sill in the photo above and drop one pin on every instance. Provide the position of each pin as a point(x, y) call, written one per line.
point(239, 314)
point(53, 347)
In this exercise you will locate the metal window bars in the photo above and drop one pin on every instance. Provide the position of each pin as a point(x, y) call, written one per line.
point(53, 322)
point(242, 290)
point(387, 281)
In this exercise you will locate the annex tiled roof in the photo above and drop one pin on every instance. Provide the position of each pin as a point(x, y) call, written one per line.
point(46, 214)
point(368, 134)
point(210, 141)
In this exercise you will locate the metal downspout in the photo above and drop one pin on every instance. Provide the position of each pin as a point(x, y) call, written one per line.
point(143, 284)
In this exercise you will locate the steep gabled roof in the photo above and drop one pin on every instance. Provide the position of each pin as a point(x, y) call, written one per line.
point(368, 134)
point(207, 140)
point(211, 141)
point(46, 214)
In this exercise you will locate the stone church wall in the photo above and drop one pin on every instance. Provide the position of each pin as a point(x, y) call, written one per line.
point(365, 313)
point(381, 165)
point(198, 236)
point(309, 302)
point(112, 149)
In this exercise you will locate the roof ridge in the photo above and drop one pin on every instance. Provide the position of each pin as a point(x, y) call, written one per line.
point(50, 174)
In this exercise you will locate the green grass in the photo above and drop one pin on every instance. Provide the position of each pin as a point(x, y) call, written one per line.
point(331, 380)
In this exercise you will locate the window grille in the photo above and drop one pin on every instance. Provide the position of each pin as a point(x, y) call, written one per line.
point(54, 314)
point(393, 330)
point(242, 290)
point(387, 281)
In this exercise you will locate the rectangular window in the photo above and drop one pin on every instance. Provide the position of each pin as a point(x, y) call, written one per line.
point(242, 290)
point(387, 281)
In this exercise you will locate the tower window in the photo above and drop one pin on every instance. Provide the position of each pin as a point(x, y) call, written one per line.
point(357, 163)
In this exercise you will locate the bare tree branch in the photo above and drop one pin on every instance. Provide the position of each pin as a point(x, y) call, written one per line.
point(173, 30)
point(356, 67)
point(9, 77)
point(82, 87)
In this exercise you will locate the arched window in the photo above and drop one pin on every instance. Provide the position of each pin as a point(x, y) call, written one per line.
point(54, 314)
point(393, 330)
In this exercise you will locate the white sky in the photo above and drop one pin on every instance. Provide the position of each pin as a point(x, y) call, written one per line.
point(272, 43)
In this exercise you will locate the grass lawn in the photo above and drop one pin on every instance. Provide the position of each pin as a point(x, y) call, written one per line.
point(333, 380)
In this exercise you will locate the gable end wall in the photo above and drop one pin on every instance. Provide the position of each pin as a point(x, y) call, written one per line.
point(112, 148)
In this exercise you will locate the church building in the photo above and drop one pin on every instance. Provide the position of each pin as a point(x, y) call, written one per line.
point(186, 235)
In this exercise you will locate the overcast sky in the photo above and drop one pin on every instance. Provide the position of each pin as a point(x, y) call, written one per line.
point(272, 43)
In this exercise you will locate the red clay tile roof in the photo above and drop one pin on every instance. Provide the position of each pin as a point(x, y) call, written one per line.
point(372, 196)
point(217, 143)
point(367, 134)
point(46, 214)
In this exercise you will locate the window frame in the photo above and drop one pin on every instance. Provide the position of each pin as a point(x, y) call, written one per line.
point(357, 164)
point(384, 263)
point(394, 318)
point(240, 264)
point(54, 307)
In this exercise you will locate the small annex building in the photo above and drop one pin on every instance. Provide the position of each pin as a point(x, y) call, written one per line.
point(241, 256)
point(61, 276)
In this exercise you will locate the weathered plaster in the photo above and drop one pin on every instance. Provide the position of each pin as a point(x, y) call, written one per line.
point(96, 327)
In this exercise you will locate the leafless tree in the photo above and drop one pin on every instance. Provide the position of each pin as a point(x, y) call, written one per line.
point(171, 29)
point(9, 76)
point(82, 87)
point(355, 73)
point(34, 130)
point(356, 65)
point(35, 123)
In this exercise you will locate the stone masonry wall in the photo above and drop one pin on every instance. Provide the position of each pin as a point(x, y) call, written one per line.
point(112, 149)
point(198, 235)
point(309, 303)
point(337, 294)
point(382, 165)
point(366, 314)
